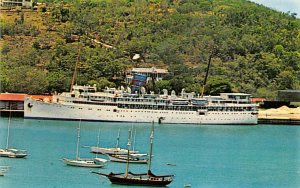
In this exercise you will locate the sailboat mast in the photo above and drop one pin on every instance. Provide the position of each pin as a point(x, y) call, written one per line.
point(128, 149)
point(75, 70)
point(98, 140)
point(78, 137)
point(150, 152)
point(118, 139)
point(133, 144)
point(8, 126)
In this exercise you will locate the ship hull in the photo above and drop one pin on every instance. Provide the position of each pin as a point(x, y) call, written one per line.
point(111, 113)
point(137, 181)
point(12, 154)
point(124, 159)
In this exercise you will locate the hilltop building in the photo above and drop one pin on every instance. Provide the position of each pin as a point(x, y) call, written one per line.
point(16, 3)
point(156, 74)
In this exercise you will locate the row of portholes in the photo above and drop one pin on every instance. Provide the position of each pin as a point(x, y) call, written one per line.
point(227, 113)
point(80, 108)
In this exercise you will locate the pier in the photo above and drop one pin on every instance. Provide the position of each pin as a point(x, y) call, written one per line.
point(276, 121)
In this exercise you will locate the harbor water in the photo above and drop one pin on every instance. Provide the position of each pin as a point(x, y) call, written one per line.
point(198, 155)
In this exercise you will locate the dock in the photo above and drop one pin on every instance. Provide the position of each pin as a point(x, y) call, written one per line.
point(276, 121)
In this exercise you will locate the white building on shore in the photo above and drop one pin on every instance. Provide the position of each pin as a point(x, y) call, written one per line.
point(157, 74)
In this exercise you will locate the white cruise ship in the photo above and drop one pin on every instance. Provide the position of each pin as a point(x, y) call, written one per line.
point(86, 104)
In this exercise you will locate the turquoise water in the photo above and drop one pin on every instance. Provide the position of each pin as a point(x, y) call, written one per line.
point(203, 156)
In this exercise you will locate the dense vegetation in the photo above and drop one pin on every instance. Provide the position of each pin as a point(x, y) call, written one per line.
point(253, 49)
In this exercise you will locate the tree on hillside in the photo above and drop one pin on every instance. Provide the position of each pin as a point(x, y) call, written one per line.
point(26, 79)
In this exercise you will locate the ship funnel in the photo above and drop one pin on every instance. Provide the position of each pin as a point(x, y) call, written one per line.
point(165, 92)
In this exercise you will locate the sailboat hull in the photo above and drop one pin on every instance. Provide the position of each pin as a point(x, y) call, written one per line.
point(12, 153)
point(124, 159)
point(111, 151)
point(82, 163)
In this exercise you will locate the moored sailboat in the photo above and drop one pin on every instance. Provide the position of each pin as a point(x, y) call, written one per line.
point(137, 158)
point(11, 152)
point(132, 158)
point(112, 150)
point(81, 162)
point(145, 179)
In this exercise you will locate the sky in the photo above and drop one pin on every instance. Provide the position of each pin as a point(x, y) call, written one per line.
point(282, 5)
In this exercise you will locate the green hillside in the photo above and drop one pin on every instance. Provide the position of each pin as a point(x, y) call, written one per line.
point(253, 49)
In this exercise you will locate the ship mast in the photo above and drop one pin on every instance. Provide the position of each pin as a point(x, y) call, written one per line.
point(118, 139)
point(98, 140)
point(150, 152)
point(207, 70)
point(9, 119)
point(128, 149)
point(134, 139)
point(75, 70)
point(78, 137)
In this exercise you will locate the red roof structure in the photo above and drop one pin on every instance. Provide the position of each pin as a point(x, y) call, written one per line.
point(258, 100)
point(21, 97)
point(12, 97)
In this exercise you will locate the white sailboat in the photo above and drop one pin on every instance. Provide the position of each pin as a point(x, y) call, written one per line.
point(11, 152)
point(132, 158)
point(97, 159)
point(137, 158)
point(112, 151)
point(81, 162)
